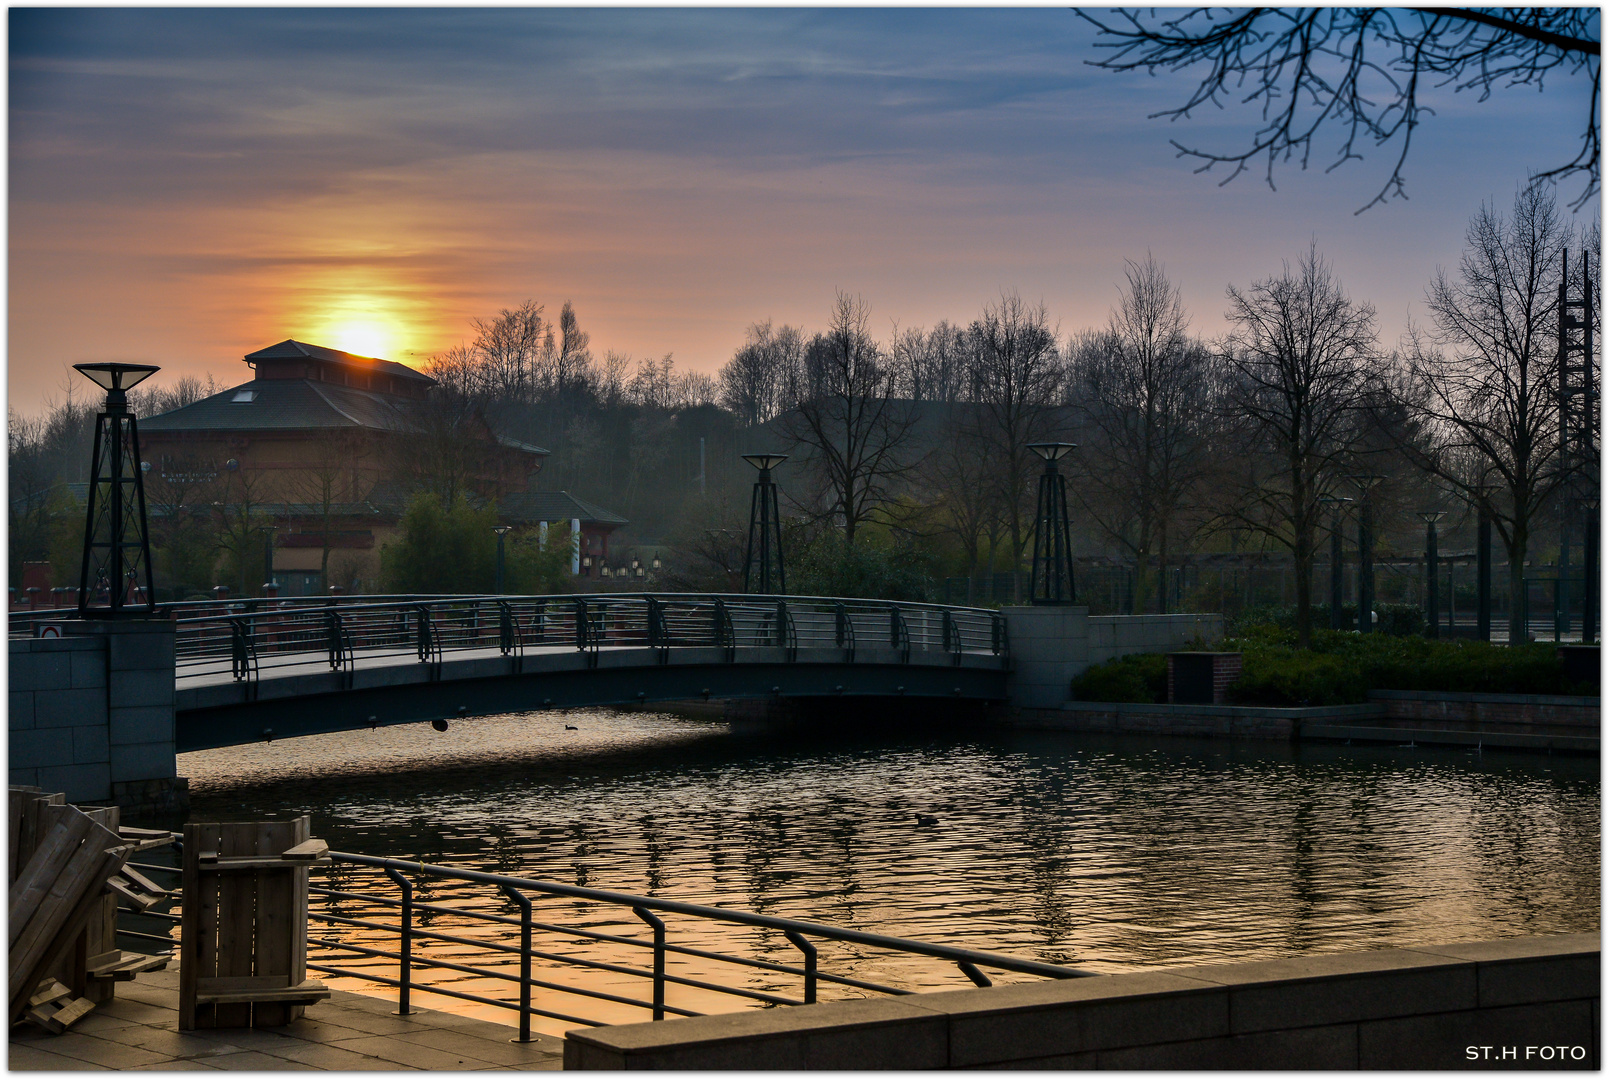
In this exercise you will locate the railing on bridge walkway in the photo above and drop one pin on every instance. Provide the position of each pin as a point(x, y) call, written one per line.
point(368, 903)
point(283, 638)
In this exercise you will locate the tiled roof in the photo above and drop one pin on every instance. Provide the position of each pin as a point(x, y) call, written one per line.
point(554, 506)
point(296, 350)
point(283, 405)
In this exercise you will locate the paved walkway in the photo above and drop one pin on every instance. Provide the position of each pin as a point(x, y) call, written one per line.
point(348, 1033)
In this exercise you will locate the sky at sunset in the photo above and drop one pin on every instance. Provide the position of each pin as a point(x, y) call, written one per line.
point(188, 185)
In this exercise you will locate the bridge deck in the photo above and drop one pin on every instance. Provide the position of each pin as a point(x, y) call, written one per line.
point(299, 694)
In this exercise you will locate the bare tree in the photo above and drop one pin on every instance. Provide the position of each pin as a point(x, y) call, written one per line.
point(856, 434)
point(1484, 385)
point(754, 383)
point(1143, 392)
point(1362, 70)
point(1301, 357)
point(933, 362)
point(328, 478)
point(1014, 379)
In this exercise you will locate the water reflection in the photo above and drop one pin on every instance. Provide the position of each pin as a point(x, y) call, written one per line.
point(1109, 853)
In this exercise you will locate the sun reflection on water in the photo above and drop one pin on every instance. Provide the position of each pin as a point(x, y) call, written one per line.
point(1107, 853)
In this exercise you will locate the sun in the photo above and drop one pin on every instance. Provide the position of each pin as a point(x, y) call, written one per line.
point(365, 337)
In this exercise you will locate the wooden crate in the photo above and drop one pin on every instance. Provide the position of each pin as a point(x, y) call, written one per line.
point(243, 937)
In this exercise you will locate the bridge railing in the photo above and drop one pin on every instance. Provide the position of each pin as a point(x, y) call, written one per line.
point(245, 643)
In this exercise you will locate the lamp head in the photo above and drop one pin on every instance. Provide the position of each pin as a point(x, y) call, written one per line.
point(501, 529)
point(1052, 451)
point(116, 379)
point(1366, 481)
point(1430, 517)
point(765, 462)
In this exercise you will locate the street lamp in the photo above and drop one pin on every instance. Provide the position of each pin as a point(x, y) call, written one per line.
point(1365, 483)
point(1589, 572)
point(1337, 505)
point(1052, 576)
point(501, 531)
point(1432, 594)
point(1483, 562)
point(765, 528)
point(117, 542)
point(268, 555)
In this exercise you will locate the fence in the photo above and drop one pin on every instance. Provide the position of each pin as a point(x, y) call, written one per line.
point(415, 928)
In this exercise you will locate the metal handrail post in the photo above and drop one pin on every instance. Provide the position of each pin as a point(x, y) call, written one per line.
point(405, 975)
point(809, 951)
point(525, 958)
point(659, 957)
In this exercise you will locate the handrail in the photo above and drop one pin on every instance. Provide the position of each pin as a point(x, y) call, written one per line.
point(425, 631)
point(743, 918)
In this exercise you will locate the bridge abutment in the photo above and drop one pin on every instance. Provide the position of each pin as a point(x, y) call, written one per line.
point(91, 714)
point(1052, 644)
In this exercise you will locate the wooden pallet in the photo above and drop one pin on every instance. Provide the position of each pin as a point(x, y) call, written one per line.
point(243, 943)
point(61, 917)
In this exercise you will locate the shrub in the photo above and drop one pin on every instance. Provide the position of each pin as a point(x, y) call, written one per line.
point(1341, 668)
point(1140, 677)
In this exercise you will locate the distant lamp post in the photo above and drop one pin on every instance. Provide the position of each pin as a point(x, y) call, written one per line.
point(1483, 563)
point(763, 562)
point(586, 566)
point(268, 555)
point(655, 564)
point(1052, 581)
point(1589, 572)
point(1337, 505)
point(501, 531)
point(117, 546)
point(1365, 483)
point(1432, 593)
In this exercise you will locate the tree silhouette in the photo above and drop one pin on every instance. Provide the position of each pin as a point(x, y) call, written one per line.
point(1362, 70)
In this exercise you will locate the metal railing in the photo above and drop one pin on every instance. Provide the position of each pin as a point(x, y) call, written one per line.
point(423, 944)
point(325, 635)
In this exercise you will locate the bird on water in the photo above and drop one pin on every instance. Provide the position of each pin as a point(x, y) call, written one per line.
point(571, 727)
point(924, 820)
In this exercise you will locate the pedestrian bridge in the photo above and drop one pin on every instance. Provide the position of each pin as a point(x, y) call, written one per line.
point(277, 669)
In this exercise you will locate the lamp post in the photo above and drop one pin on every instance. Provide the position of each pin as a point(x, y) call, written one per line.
point(1337, 505)
point(1432, 593)
point(268, 554)
point(1052, 579)
point(501, 531)
point(1589, 572)
point(1365, 485)
point(117, 542)
point(1483, 562)
point(765, 529)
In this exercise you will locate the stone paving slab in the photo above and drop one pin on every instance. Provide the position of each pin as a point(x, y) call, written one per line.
point(139, 1029)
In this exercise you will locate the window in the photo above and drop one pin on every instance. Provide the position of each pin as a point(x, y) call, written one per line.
point(244, 395)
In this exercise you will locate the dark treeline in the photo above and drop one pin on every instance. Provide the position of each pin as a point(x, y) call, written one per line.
point(910, 457)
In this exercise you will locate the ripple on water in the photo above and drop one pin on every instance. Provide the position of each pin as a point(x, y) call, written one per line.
point(1110, 853)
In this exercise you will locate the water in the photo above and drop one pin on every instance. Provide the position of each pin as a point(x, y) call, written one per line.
point(1109, 853)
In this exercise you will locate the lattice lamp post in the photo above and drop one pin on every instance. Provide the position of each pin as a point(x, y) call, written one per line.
point(763, 563)
point(1432, 594)
point(501, 531)
point(1337, 505)
point(1052, 581)
point(1365, 485)
point(117, 546)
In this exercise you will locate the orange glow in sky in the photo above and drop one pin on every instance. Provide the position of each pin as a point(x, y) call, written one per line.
point(189, 185)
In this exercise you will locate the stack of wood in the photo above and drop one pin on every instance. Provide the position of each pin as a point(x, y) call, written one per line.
point(68, 877)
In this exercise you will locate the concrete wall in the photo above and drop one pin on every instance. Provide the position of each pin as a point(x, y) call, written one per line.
point(1493, 1004)
point(1051, 645)
point(91, 714)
